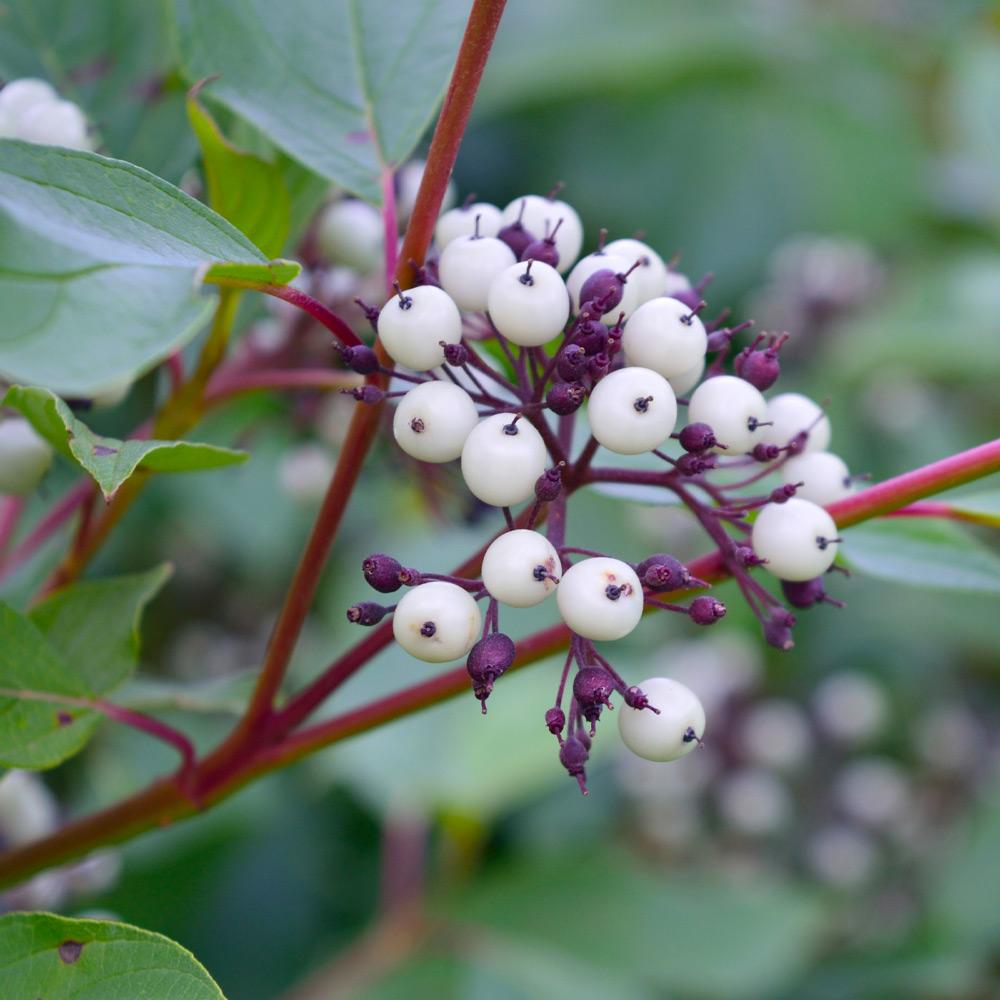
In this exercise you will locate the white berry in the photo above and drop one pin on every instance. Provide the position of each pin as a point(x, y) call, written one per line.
point(408, 179)
point(790, 413)
point(632, 410)
point(669, 735)
point(677, 283)
point(529, 305)
point(651, 276)
point(521, 568)
point(600, 598)
point(502, 459)
point(595, 262)
point(686, 381)
point(540, 218)
point(433, 420)
point(824, 476)
point(112, 395)
point(350, 232)
point(469, 265)
point(54, 123)
point(411, 325)
point(21, 95)
point(734, 410)
point(462, 222)
point(664, 335)
point(25, 456)
point(436, 622)
point(797, 538)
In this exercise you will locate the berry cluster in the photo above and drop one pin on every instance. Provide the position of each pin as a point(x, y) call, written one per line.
point(31, 110)
point(496, 355)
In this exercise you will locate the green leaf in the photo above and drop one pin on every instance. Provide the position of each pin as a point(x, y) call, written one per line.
point(56, 958)
point(243, 188)
point(671, 932)
point(919, 552)
point(980, 508)
point(343, 86)
point(274, 272)
point(99, 267)
point(110, 461)
point(95, 624)
point(38, 732)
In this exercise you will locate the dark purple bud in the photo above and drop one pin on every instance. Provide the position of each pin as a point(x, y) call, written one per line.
point(572, 362)
point(806, 593)
point(765, 452)
point(410, 577)
point(371, 313)
point(548, 485)
point(636, 698)
point(573, 756)
point(555, 719)
point(543, 250)
point(591, 335)
point(691, 297)
point(565, 397)
point(604, 288)
point(782, 493)
point(360, 358)
point(697, 437)
point(695, 465)
point(760, 368)
point(584, 737)
point(370, 394)
point(382, 573)
point(516, 236)
point(599, 366)
point(718, 340)
point(592, 689)
point(662, 572)
point(798, 443)
point(778, 629)
point(367, 613)
point(489, 659)
point(746, 556)
point(456, 354)
point(706, 610)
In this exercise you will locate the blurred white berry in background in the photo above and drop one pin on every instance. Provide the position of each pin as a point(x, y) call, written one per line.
point(874, 791)
point(754, 801)
point(850, 707)
point(842, 856)
point(305, 472)
point(775, 732)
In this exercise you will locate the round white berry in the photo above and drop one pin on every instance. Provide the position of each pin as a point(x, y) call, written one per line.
point(790, 413)
point(529, 305)
point(412, 324)
point(595, 262)
point(521, 568)
point(664, 335)
point(651, 276)
point(350, 232)
point(600, 598)
point(824, 476)
point(686, 381)
point(677, 283)
point(304, 473)
point(797, 538)
point(502, 459)
point(541, 216)
point(25, 456)
point(755, 801)
point(433, 420)
point(436, 622)
point(112, 395)
point(669, 735)
point(734, 410)
point(632, 410)
point(469, 265)
point(21, 95)
point(461, 221)
point(408, 179)
point(54, 123)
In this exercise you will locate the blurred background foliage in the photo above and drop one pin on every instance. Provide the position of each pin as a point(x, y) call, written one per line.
point(837, 165)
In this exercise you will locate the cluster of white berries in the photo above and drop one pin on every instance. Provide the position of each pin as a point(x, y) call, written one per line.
point(31, 110)
point(617, 336)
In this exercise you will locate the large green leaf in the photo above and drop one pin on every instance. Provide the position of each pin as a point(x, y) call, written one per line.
point(242, 187)
point(78, 643)
point(99, 267)
point(343, 86)
point(921, 552)
point(110, 461)
point(55, 958)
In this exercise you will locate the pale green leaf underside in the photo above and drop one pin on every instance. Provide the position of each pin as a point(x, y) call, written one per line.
point(921, 552)
point(110, 461)
point(100, 267)
point(56, 958)
point(346, 87)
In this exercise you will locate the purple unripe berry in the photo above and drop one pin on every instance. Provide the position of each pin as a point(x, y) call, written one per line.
point(803, 593)
point(746, 556)
point(760, 368)
point(778, 629)
point(370, 394)
point(516, 236)
point(663, 572)
point(706, 610)
point(367, 613)
point(361, 359)
point(786, 492)
point(695, 465)
point(691, 297)
point(636, 698)
point(456, 354)
point(600, 365)
point(572, 362)
point(565, 397)
point(765, 452)
point(548, 485)
point(718, 340)
point(543, 250)
point(604, 288)
point(592, 689)
point(489, 659)
point(555, 719)
point(573, 756)
point(382, 573)
point(697, 437)
point(591, 335)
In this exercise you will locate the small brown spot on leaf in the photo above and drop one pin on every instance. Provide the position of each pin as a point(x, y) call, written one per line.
point(102, 450)
point(70, 951)
point(359, 136)
point(64, 718)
